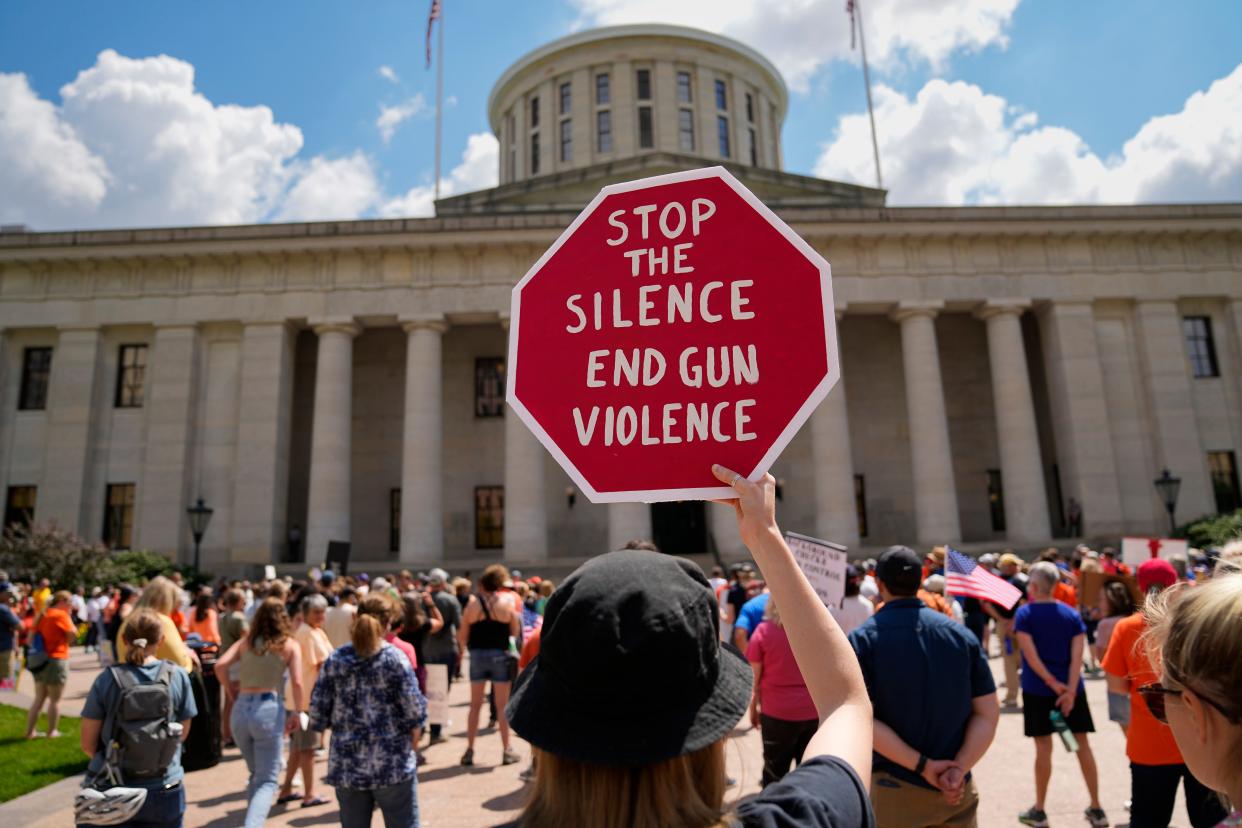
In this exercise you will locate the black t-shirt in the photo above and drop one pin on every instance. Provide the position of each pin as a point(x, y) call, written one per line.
point(1019, 580)
point(822, 793)
point(737, 597)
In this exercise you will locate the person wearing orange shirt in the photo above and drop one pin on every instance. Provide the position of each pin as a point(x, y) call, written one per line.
point(1156, 764)
point(58, 630)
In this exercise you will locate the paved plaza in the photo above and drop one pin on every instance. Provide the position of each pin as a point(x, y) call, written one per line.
point(488, 794)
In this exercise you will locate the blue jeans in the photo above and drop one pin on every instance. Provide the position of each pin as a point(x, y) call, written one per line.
point(258, 722)
point(398, 803)
point(163, 809)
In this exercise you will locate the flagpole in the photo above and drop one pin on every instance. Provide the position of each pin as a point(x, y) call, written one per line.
point(440, 94)
point(862, 42)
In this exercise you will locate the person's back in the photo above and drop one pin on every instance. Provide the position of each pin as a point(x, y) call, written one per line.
point(338, 620)
point(441, 645)
point(263, 669)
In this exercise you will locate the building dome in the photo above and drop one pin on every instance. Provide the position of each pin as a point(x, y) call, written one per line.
point(619, 92)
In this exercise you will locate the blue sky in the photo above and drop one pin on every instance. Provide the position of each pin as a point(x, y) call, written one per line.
point(980, 101)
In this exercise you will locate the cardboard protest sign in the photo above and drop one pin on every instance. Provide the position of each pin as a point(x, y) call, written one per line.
point(1136, 550)
point(437, 694)
point(677, 323)
point(824, 564)
point(1091, 583)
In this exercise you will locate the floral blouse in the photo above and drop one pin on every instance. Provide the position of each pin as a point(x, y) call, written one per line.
point(1232, 821)
point(371, 705)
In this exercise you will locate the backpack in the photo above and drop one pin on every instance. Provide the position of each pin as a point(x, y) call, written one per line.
point(140, 740)
point(36, 654)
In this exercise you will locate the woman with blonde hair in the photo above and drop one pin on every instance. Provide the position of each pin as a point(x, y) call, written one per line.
point(368, 695)
point(161, 595)
point(491, 627)
point(1195, 638)
point(631, 700)
point(259, 720)
point(107, 791)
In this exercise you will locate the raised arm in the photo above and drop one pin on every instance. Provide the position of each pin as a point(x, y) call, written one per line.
point(825, 658)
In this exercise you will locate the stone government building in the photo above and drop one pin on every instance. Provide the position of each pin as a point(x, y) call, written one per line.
point(345, 379)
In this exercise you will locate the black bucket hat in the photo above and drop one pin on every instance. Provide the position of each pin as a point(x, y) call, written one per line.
point(630, 668)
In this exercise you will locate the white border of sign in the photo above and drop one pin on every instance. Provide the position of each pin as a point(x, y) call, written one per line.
point(799, 418)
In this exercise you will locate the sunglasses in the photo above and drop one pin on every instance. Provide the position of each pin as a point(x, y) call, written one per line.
point(1154, 697)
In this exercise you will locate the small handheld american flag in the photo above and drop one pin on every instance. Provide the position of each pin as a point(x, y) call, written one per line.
point(964, 576)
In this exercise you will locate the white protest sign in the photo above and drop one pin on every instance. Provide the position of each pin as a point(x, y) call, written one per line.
point(269, 573)
point(824, 565)
point(437, 694)
point(1136, 550)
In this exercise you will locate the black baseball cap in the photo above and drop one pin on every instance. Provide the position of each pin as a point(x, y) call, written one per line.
point(630, 669)
point(900, 569)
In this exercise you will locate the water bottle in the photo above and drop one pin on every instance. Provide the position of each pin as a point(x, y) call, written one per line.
point(1062, 729)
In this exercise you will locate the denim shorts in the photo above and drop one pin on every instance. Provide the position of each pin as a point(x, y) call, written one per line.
point(489, 665)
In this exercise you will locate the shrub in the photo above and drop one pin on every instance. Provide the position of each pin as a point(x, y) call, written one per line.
point(59, 555)
point(1213, 531)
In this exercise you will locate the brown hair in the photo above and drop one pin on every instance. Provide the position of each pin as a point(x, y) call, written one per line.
point(686, 790)
point(371, 623)
point(142, 625)
point(1119, 599)
point(1195, 634)
point(494, 577)
point(270, 626)
point(234, 598)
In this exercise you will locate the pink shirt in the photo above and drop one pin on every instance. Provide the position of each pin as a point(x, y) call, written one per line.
point(782, 692)
point(405, 647)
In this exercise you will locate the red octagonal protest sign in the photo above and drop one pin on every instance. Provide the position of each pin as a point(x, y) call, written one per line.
point(677, 323)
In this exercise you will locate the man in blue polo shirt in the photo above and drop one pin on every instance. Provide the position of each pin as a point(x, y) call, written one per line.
point(934, 703)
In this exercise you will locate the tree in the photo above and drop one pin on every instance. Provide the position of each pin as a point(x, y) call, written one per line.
point(69, 561)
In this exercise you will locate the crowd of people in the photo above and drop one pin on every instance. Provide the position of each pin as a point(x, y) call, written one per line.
point(627, 679)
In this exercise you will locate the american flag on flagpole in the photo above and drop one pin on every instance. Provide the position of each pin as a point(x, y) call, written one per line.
point(849, 9)
point(964, 576)
point(432, 17)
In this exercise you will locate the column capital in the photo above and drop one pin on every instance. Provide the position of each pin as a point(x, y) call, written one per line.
point(1001, 307)
point(838, 309)
point(335, 324)
point(914, 310)
point(436, 323)
point(504, 322)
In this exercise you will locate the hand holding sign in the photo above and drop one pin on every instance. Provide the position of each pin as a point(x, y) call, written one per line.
point(755, 504)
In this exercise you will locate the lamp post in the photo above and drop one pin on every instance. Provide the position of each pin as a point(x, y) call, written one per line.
point(200, 516)
point(1167, 486)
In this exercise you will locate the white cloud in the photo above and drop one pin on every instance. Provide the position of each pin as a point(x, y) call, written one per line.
point(391, 117)
point(45, 169)
point(388, 73)
point(478, 170)
point(955, 144)
point(800, 36)
point(342, 188)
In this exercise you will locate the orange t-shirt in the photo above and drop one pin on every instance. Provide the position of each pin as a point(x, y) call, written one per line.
point(208, 629)
point(1066, 594)
point(530, 649)
point(56, 627)
point(1148, 742)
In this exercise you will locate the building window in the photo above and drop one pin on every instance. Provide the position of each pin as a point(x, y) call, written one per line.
point(754, 148)
point(511, 159)
point(603, 93)
point(860, 504)
point(534, 110)
point(646, 130)
point(685, 130)
point(566, 98)
point(567, 140)
point(489, 517)
point(750, 108)
point(1198, 333)
point(684, 93)
point(131, 374)
point(603, 130)
point(722, 135)
point(489, 387)
point(644, 84)
point(36, 370)
point(534, 153)
point(996, 500)
point(394, 520)
point(20, 506)
point(1224, 481)
point(118, 528)
point(722, 96)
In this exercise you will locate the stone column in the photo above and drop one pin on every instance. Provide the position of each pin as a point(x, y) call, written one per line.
point(722, 523)
point(164, 493)
point(935, 490)
point(74, 386)
point(526, 511)
point(1080, 415)
point(1022, 473)
point(836, 512)
point(1178, 445)
point(422, 520)
point(264, 421)
point(627, 522)
point(328, 512)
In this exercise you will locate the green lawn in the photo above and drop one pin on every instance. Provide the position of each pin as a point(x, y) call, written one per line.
point(28, 765)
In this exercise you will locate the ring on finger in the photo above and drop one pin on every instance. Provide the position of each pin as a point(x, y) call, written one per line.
point(736, 477)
